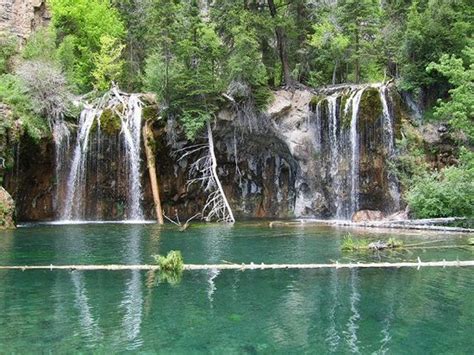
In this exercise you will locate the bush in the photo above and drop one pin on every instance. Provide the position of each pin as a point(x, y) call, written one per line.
point(447, 193)
point(15, 95)
point(47, 87)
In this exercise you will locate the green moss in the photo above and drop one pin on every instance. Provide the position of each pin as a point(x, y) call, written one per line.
point(315, 100)
point(110, 122)
point(370, 109)
point(346, 116)
point(150, 113)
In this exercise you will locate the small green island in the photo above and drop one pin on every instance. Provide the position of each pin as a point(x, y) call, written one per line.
point(236, 177)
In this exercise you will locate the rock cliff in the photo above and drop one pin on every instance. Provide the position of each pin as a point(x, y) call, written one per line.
point(23, 17)
point(7, 210)
point(294, 160)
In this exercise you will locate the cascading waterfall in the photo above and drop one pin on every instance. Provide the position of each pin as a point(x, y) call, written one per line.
point(76, 185)
point(353, 146)
point(355, 152)
point(61, 138)
point(389, 138)
point(334, 149)
point(90, 151)
point(131, 130)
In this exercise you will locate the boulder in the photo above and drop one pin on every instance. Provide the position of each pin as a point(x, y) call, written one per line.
point(400, 215)
point(367, 216)
point(7, 209)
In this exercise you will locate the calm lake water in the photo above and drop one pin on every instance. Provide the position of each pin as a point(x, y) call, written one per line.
point(424, 311)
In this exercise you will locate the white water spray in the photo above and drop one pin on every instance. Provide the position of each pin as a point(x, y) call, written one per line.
point(130, 115)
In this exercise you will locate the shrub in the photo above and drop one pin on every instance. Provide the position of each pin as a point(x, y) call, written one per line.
point(47, 87)
point(7, 50)
point(447, 193)
point(14, 94)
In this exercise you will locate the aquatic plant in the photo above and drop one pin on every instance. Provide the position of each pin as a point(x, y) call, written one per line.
point(349, 243)
point(171, 267)
point(173, 261)
point(395, 243)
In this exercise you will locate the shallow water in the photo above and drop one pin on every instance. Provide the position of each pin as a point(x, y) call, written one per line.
point(273, 311)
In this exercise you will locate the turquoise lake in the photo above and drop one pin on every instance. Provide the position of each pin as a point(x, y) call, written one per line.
point(408, 311)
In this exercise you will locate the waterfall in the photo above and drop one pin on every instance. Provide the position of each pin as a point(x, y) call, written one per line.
point(131, 130)
point(389, 139)
point(334, 152)
point(76, 185)
point(83, 190)
point(353, 137)
point(355, 152)
point(61, 138)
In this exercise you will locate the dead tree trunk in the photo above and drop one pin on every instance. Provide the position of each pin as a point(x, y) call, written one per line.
point(151, 163)
point(204, 171)
point(230, 217)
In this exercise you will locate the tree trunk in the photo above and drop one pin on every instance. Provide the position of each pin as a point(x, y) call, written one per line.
point(150, 158)
point(357, 59)
point(281, 44)
point(334, 72)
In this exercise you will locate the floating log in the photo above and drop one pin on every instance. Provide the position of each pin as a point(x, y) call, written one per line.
point(190, 267)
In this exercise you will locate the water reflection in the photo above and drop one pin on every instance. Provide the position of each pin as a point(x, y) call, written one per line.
point(338, 311)
point(89, 325)
point(389, 293)
point(332, 334)
point(353, 323)
point(133, 295)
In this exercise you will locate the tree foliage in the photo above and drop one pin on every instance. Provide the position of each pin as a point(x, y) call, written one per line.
point(459, 109)
point(80, 26)
point(447, 193)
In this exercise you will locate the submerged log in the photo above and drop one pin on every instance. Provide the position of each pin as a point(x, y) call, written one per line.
point(190, 267)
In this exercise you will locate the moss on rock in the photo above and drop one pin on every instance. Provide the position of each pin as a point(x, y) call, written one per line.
point(110, 122)
point(315, 100)
point(150, 113)
point(370, 109)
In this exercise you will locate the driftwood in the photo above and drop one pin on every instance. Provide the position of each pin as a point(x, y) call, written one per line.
point(120, 267)
point(151, 163)
point(182, 227)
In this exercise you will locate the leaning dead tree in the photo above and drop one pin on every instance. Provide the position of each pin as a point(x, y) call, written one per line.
point(151, 163)
point(203, 171)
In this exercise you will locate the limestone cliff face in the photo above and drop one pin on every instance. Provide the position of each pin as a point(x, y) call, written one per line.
point(23, 17)
point(7, 210)
point(296, 163)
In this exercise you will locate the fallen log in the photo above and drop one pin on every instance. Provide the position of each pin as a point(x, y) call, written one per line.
point(379, 224)
point(191, 267)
